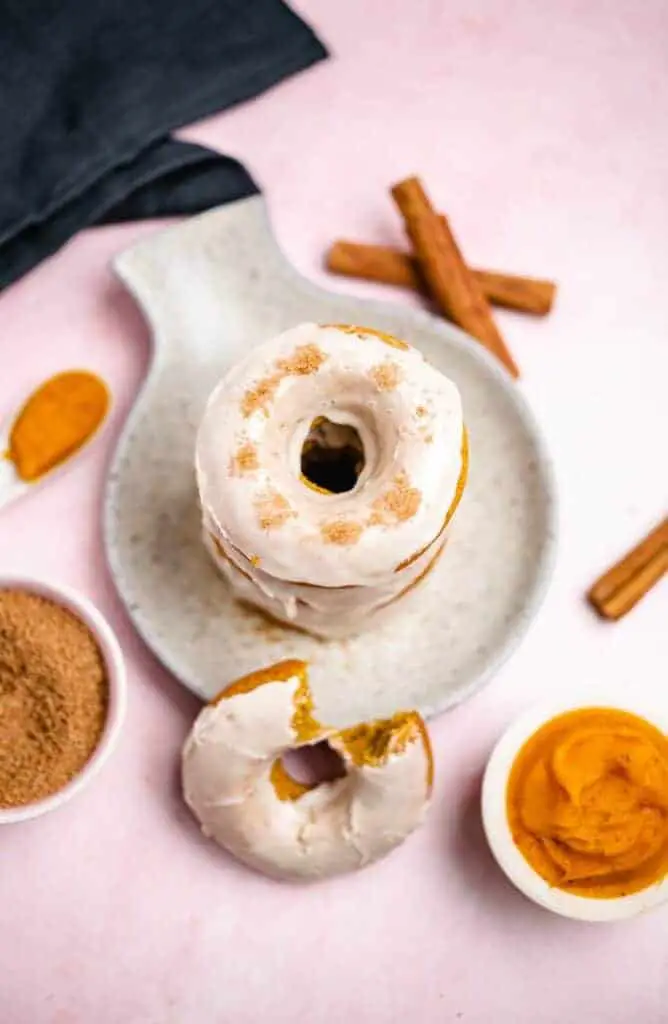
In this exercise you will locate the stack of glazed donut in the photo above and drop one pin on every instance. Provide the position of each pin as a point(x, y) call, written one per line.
point(329, 464)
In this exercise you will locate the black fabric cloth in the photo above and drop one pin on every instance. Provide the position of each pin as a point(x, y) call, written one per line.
point(89, 91)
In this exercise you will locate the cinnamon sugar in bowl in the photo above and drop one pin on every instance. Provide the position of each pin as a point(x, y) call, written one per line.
point(62, 695)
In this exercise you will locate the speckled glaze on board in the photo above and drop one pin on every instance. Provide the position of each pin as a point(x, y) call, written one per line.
point(211, 288)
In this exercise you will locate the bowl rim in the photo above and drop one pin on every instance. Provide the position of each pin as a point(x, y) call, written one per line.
point(85, 610)
point(495, 820)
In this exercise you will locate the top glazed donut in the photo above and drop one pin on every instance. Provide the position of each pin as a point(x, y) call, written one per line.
point(408, 419)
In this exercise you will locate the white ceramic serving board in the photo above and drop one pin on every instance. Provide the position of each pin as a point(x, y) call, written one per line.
point(211, 288)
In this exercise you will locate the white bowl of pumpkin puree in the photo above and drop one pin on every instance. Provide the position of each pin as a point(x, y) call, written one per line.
point(575, 807)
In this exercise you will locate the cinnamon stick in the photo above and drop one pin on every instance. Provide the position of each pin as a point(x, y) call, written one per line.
point(450, 280)
point(622, 586)
point(392, 266)
point(515, 291)
point(375, 263)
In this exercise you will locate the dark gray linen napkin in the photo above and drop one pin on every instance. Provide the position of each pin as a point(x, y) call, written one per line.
point(89, 91)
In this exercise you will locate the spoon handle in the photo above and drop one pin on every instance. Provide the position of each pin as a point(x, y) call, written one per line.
point(11, 485)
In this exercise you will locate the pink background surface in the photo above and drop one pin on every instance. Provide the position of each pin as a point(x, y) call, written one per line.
point(541, 130)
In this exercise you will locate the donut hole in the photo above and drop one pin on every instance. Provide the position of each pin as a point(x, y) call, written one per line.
point(332, 456)
point(313, 764)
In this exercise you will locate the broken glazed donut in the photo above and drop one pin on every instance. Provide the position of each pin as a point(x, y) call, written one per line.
point(329, 465)
point(236, 785)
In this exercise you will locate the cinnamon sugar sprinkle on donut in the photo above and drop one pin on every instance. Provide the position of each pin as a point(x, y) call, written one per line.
point(421, 411)
point(259, 397)
point(273, 510)
point(244, 460)
point(386, 376)
point(399, 503)
point(304, 360)
point(342, 532)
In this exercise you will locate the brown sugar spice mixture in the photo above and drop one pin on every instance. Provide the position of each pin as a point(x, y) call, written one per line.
point(53, 697)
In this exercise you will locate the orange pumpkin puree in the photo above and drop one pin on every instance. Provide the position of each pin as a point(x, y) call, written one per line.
point(56, 421)
point(587, 802)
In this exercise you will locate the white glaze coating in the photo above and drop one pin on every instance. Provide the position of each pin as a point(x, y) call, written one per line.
point(334, 828)
point(333, 612)
point(414, 428)
point(256, 504)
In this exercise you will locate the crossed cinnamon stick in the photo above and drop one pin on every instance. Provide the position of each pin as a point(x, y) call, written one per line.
point(437, 266)
point(392, 266)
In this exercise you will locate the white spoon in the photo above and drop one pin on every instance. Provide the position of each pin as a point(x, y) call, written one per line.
point(11, 484)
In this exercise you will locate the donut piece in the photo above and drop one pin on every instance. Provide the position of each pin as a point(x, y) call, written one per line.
point(331, 459)
point(236, 786)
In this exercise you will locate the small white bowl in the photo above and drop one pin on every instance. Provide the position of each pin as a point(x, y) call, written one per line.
point(86, 611)
point(497, 830)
